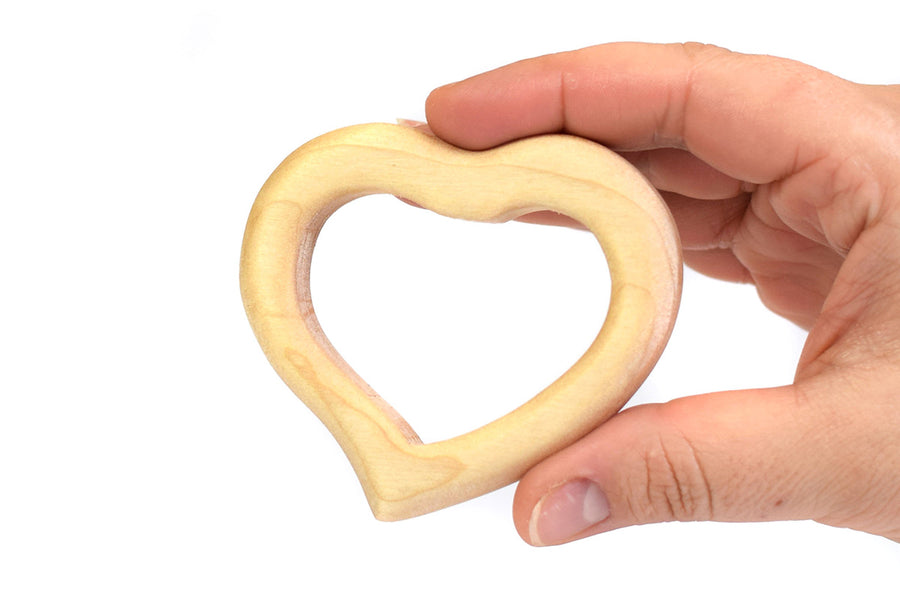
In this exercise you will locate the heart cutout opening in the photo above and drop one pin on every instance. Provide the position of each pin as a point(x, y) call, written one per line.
point(455, 323)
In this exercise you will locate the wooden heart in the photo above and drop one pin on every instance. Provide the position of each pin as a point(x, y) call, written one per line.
point(401, 476)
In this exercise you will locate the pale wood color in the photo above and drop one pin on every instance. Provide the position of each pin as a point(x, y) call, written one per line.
point(401, 476)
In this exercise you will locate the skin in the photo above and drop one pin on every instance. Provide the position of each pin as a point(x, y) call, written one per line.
point(779, 175)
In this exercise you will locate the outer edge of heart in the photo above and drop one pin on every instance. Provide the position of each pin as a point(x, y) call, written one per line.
point(401, 476)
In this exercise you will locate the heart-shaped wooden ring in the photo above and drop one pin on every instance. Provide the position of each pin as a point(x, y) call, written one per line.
point(401, 476)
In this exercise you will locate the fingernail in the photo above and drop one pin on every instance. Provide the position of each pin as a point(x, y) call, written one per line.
point(566, 511)
point(417, 125)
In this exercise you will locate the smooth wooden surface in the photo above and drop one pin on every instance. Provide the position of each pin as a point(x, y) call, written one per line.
point(401, 476)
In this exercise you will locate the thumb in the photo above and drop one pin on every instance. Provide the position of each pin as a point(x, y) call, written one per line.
point(753, 455)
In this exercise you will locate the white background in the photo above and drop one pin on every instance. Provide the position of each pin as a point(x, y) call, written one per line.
point(147, 449)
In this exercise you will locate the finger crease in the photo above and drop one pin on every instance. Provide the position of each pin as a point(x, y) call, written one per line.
point(703, 478)
point(682, 497)
point(724, 236)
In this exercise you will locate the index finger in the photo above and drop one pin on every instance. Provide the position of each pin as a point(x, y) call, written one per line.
point(755, 118)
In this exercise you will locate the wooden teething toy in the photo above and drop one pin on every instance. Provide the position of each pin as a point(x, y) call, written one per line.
point(401, 476)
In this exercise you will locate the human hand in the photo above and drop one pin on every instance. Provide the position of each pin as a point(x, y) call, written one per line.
point(779, 175)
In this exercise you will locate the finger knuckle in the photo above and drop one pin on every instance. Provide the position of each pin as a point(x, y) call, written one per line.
point(695, 49)
point(675, 487)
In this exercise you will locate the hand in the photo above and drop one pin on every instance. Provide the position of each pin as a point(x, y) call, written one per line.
point(779, 175)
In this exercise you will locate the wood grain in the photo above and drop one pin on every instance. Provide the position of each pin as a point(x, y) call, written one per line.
point(401, 476)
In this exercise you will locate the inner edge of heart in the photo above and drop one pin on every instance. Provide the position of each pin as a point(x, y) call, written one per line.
point(305, 294)
point(304, 299)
